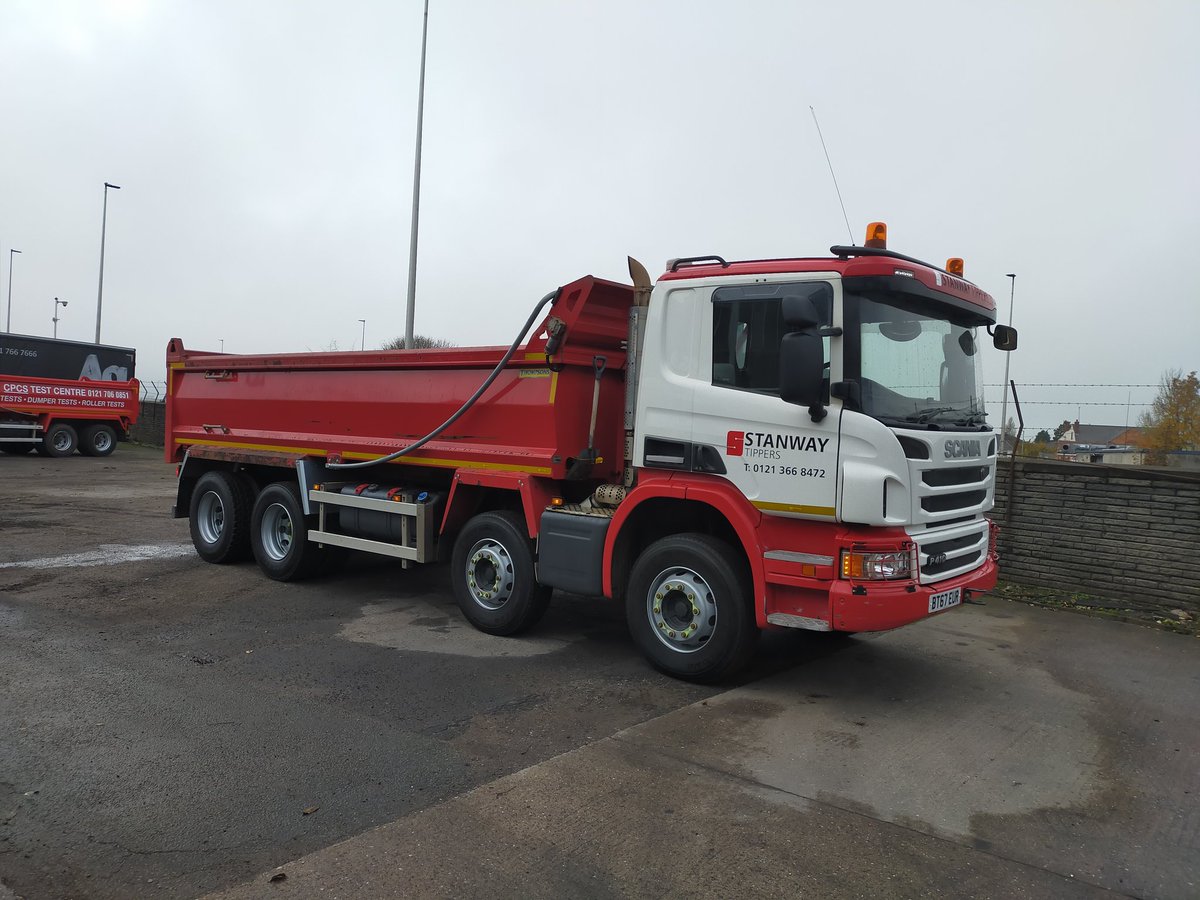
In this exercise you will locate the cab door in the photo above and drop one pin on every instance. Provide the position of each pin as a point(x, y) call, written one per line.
point(781, 460)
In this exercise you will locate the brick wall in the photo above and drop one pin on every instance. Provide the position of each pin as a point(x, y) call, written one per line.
point(1121, 532)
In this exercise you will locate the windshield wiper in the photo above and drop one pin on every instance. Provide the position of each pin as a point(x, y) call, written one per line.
point(925, 415)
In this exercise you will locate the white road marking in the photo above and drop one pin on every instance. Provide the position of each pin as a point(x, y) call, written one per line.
point(104, 555)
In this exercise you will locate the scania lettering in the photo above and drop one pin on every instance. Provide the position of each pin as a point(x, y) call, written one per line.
point(737, 447)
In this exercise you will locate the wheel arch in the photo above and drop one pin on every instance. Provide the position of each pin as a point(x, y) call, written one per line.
point(663, 509)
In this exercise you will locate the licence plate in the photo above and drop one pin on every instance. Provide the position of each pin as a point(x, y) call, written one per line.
point(945, 600)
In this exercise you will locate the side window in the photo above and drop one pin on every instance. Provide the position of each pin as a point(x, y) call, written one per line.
point(748, 329)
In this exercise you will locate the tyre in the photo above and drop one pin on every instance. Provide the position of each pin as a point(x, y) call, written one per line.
point(279, 534)
point(219, 517)
point(98, 440)
point(689, 608)
point(493, 575)
point(60, 440)
point(16, 449)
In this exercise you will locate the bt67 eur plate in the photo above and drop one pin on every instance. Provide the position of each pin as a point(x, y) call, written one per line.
point(945, 600)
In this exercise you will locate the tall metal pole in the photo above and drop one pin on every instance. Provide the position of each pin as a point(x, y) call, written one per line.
point(364, 334)
point(1007, 357)
point(57, 304)
point(103, 226)
point(8, 322)
point(416, 199)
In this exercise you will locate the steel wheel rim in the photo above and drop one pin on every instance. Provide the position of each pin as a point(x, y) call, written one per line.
point(102, 441)
point(681, 609)
point(210, 517)
point(276, 531)
point(62, 441)
point(489, 574)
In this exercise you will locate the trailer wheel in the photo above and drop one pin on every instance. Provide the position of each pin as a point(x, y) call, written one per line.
point(493, 575)
point(279, 534)
point(689, 608)
point(219, 517)
point(98, 440)
point(60, 440)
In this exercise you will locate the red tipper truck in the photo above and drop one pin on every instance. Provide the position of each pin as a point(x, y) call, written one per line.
point(785, 443)
point(57, 397)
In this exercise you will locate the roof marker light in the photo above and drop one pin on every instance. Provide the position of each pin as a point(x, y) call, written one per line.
point(954, 265)
point(876, 236)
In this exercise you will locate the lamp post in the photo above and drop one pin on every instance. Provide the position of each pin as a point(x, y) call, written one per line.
point(57, 304)
point(8, 322)
point(364, 333)
point(1007, 358)
point(103, 226)
point(222, 340)
point(416, 204)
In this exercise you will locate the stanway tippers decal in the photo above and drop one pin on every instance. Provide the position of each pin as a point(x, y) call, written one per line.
point(770, 445)
point(757, 447)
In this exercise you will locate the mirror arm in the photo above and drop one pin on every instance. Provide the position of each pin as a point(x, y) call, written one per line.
point(817, 412)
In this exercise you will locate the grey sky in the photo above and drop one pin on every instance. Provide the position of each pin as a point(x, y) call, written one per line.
point(264, 151)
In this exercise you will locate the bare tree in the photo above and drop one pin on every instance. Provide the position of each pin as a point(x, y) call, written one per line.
point(420, 342)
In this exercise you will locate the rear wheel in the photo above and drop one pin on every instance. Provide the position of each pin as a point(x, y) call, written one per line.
point(689, 608)
point(493, 575)
point(279, 534)
point(219, 517)
point(60, 440)
point(98, 440)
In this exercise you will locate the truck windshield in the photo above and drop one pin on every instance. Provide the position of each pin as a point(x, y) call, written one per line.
point(916, 361)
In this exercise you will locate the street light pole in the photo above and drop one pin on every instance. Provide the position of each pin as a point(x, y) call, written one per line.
point(57, 304)
point(364, 334)
point(1007, 358)
point(8, 323)
point(416, 204)
point(103, 226)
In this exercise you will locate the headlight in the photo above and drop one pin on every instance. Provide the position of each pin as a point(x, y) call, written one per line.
point(877, 566)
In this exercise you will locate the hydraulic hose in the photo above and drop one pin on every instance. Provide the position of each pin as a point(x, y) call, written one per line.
point(553, 295)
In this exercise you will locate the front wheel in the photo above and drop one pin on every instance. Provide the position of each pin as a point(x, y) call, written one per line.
point(493, 575)
point(279, 534)
point(689, 608)
point(60, 440)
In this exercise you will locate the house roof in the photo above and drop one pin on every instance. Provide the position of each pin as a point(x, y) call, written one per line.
point(1098, 434)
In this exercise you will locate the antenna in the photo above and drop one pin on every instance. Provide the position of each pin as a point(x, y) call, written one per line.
point(835, 184)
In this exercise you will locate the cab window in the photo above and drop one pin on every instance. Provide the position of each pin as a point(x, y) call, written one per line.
point(748, 329)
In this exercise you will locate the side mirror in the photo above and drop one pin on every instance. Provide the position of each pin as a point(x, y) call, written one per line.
point(800, 313)
point(1004, 337)
point(802, 370)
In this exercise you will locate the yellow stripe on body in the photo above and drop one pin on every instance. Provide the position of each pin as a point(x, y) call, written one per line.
point(423, 460)
point(828, 511)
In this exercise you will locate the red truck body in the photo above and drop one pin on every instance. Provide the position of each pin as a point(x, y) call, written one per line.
point(553, 477)
point(42, 407)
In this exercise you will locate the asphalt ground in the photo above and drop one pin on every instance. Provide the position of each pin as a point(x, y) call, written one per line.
point(170, 728)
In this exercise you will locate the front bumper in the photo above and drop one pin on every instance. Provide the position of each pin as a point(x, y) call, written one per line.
point(885, 606)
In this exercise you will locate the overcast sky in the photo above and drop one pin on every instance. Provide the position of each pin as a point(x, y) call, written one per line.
point(264, 150)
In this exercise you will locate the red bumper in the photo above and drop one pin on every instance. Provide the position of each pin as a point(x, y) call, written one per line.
point(886, 606)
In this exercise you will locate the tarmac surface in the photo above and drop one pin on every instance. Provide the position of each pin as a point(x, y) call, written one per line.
point(171, 729)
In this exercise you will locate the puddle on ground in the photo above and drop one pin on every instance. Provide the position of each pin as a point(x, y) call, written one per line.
point(418, 625)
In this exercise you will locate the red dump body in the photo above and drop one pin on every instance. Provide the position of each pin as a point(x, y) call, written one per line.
point(363, 404)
